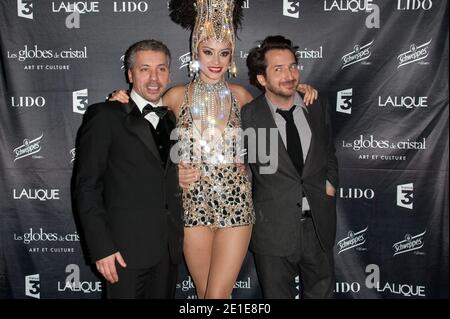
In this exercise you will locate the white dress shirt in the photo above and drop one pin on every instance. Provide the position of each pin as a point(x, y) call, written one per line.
point(141, 103)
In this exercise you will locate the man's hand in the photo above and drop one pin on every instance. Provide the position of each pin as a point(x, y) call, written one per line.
point(119, 95)
point(311, 93)
point(187, 175)
point(331, 191)
point(107, 267)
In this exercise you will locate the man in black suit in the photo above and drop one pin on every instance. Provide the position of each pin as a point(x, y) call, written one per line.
point(294, 192)
point(126, 187)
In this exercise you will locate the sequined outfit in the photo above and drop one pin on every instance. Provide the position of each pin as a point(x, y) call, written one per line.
point(222, 196)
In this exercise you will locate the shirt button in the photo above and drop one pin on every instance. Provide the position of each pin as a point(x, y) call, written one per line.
point(160, 147)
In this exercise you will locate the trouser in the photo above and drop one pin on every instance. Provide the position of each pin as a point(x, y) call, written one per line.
point(314, 265)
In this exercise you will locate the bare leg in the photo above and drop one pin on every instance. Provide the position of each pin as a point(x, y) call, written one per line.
point(228, 252)
point(198, 244)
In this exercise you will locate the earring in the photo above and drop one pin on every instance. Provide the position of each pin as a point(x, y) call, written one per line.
point(232, 70)
point(194, 67)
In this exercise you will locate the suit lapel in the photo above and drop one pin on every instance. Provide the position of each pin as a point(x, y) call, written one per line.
point(311, 145)
point(138, 126)
point(263, 118)
point(169, 125)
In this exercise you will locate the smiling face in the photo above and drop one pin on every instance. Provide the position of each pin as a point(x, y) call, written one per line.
point(150, 74)
point(282, 74)
point(214, 58)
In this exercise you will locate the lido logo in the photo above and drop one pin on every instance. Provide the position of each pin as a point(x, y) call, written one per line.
point(27, 101)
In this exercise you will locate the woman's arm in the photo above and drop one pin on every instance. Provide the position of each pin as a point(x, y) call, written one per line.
point(241, 94)
point(173, 98)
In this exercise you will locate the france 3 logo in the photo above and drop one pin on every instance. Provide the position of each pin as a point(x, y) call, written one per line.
point(291, 8)
point(405, 195)
point(344, 101)
point(33, 286)
point(80, 101)
point(25, 9)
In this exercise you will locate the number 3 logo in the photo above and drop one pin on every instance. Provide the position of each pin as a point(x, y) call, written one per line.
point(291, 8)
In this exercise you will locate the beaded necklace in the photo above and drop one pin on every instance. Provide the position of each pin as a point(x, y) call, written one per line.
point(210, 103)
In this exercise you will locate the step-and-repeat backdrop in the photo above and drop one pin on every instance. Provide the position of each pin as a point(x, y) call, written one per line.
point(382, 63)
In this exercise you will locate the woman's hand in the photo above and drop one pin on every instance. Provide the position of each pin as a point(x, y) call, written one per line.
point(187, 175)
point(119, 95)
point(311, 93)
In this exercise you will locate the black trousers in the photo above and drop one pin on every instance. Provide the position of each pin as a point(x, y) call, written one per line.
point(157, 282)
point(314, 266)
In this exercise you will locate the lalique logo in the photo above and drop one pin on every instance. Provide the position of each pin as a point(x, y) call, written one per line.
point(405, 195)
point(28, 148)
point(352, 240)
point(36, 194)
point(73, 282)
point(407, 290)
point(25, 9)
point(33, 286)
point(184, 60)
point(407, 102)
point(291, 8)
point(344, 101)
point(347, 5)
point(80, 101)
point(358, 54)
point(76, 6)
point(414, 54)
point(410, 243)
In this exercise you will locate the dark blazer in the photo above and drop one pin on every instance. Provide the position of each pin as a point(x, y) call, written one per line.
point(277, 197)
point(127, 201)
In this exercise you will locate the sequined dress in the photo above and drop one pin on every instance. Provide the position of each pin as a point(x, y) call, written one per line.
point(222, 197)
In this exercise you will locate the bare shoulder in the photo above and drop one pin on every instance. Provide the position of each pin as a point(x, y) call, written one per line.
point(173, 98)
point(242, 95)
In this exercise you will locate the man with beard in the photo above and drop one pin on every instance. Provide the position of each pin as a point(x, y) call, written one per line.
point(295, 206)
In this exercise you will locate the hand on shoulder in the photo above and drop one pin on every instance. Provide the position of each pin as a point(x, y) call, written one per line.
point(121, 96)
point(241, 94)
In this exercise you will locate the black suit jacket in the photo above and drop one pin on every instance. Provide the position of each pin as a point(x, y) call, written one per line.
point(127, 201)
point(277, 197)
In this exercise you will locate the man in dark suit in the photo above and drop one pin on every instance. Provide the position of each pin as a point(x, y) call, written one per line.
point(294, 192)
point(126, 187)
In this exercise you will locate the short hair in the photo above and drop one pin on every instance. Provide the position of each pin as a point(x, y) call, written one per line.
point(144, 45)
point(256, 59)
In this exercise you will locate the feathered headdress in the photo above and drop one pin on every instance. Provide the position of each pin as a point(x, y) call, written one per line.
point(208, 19)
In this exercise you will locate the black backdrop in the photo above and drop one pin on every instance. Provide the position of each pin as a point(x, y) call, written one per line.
point(387, 85)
